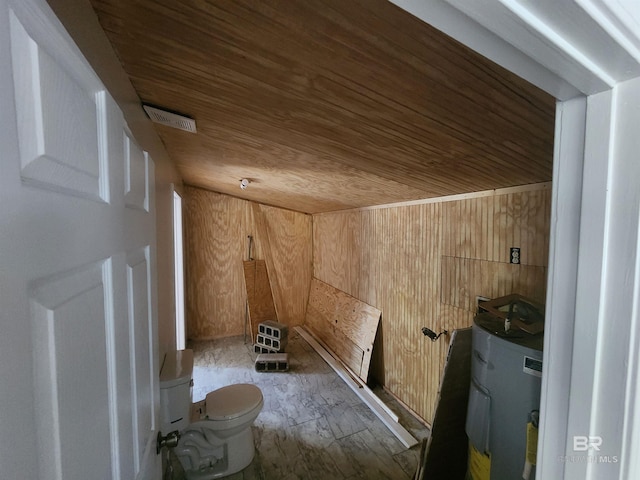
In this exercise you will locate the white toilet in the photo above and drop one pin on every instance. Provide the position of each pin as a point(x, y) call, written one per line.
point(215, 434)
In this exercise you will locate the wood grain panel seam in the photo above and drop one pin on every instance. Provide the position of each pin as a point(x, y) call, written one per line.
point(449, 198)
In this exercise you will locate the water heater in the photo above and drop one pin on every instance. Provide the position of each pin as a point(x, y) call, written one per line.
point(504, 398)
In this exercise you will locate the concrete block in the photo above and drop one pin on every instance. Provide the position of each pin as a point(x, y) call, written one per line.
point(271, 342)
point(273, 329)
point(257, 348)
point(272, 362)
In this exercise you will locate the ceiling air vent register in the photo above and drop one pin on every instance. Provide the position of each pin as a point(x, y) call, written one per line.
point(170, 119)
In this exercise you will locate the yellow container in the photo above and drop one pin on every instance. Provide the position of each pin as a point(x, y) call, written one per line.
point(479, 464)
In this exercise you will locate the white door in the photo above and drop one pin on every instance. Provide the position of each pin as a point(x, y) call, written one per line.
point(78, 349)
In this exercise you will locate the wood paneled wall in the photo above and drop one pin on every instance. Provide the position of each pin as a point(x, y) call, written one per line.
point(424, 264)
point(216, 244)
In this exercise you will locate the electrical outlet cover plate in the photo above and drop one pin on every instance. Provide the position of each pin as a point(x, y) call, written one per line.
point(514, 255)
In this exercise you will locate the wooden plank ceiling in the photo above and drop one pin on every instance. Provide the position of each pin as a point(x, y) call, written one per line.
point(328, 104)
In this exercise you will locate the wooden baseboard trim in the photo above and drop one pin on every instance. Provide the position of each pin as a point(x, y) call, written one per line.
point(365, 394)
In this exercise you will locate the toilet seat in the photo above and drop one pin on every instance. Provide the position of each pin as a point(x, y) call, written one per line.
point(232, 401)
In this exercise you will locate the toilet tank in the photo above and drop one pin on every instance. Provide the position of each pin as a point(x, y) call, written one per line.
point(176, 385)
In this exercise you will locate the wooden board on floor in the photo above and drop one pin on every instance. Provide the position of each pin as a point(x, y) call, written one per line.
point(256, 280)
point(344, 324)
point(445, 455)
point(376, 405)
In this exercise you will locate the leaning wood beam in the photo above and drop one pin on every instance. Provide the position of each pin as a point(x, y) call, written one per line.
point(365, 394)
point(259, 297)
point(263, 238)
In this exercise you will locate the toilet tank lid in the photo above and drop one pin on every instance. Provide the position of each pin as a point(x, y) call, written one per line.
point(177, 368)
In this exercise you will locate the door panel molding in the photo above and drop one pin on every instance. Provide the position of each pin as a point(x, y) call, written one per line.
point(69, 319)
point(136, 175)
point(61, 116)
point(140, 348)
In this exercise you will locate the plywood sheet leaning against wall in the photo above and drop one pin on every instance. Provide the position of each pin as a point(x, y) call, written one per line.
point(344, 324)
point(216, 230)
point(285, 240)
point(259, 297)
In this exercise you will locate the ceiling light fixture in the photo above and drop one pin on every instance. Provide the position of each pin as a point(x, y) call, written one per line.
point(244, 183)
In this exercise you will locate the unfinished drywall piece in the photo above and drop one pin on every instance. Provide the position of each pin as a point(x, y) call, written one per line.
point(259, 297)
point(344, 324)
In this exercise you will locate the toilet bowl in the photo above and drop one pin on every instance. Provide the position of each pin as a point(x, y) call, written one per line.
point(215, 434)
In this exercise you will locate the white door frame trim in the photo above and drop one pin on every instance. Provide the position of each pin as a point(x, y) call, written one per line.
point(587, 54)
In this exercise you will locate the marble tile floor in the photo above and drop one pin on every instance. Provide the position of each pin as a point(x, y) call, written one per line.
point(312, 425)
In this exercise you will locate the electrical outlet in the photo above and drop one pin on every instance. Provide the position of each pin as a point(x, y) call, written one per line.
point(515, 255)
